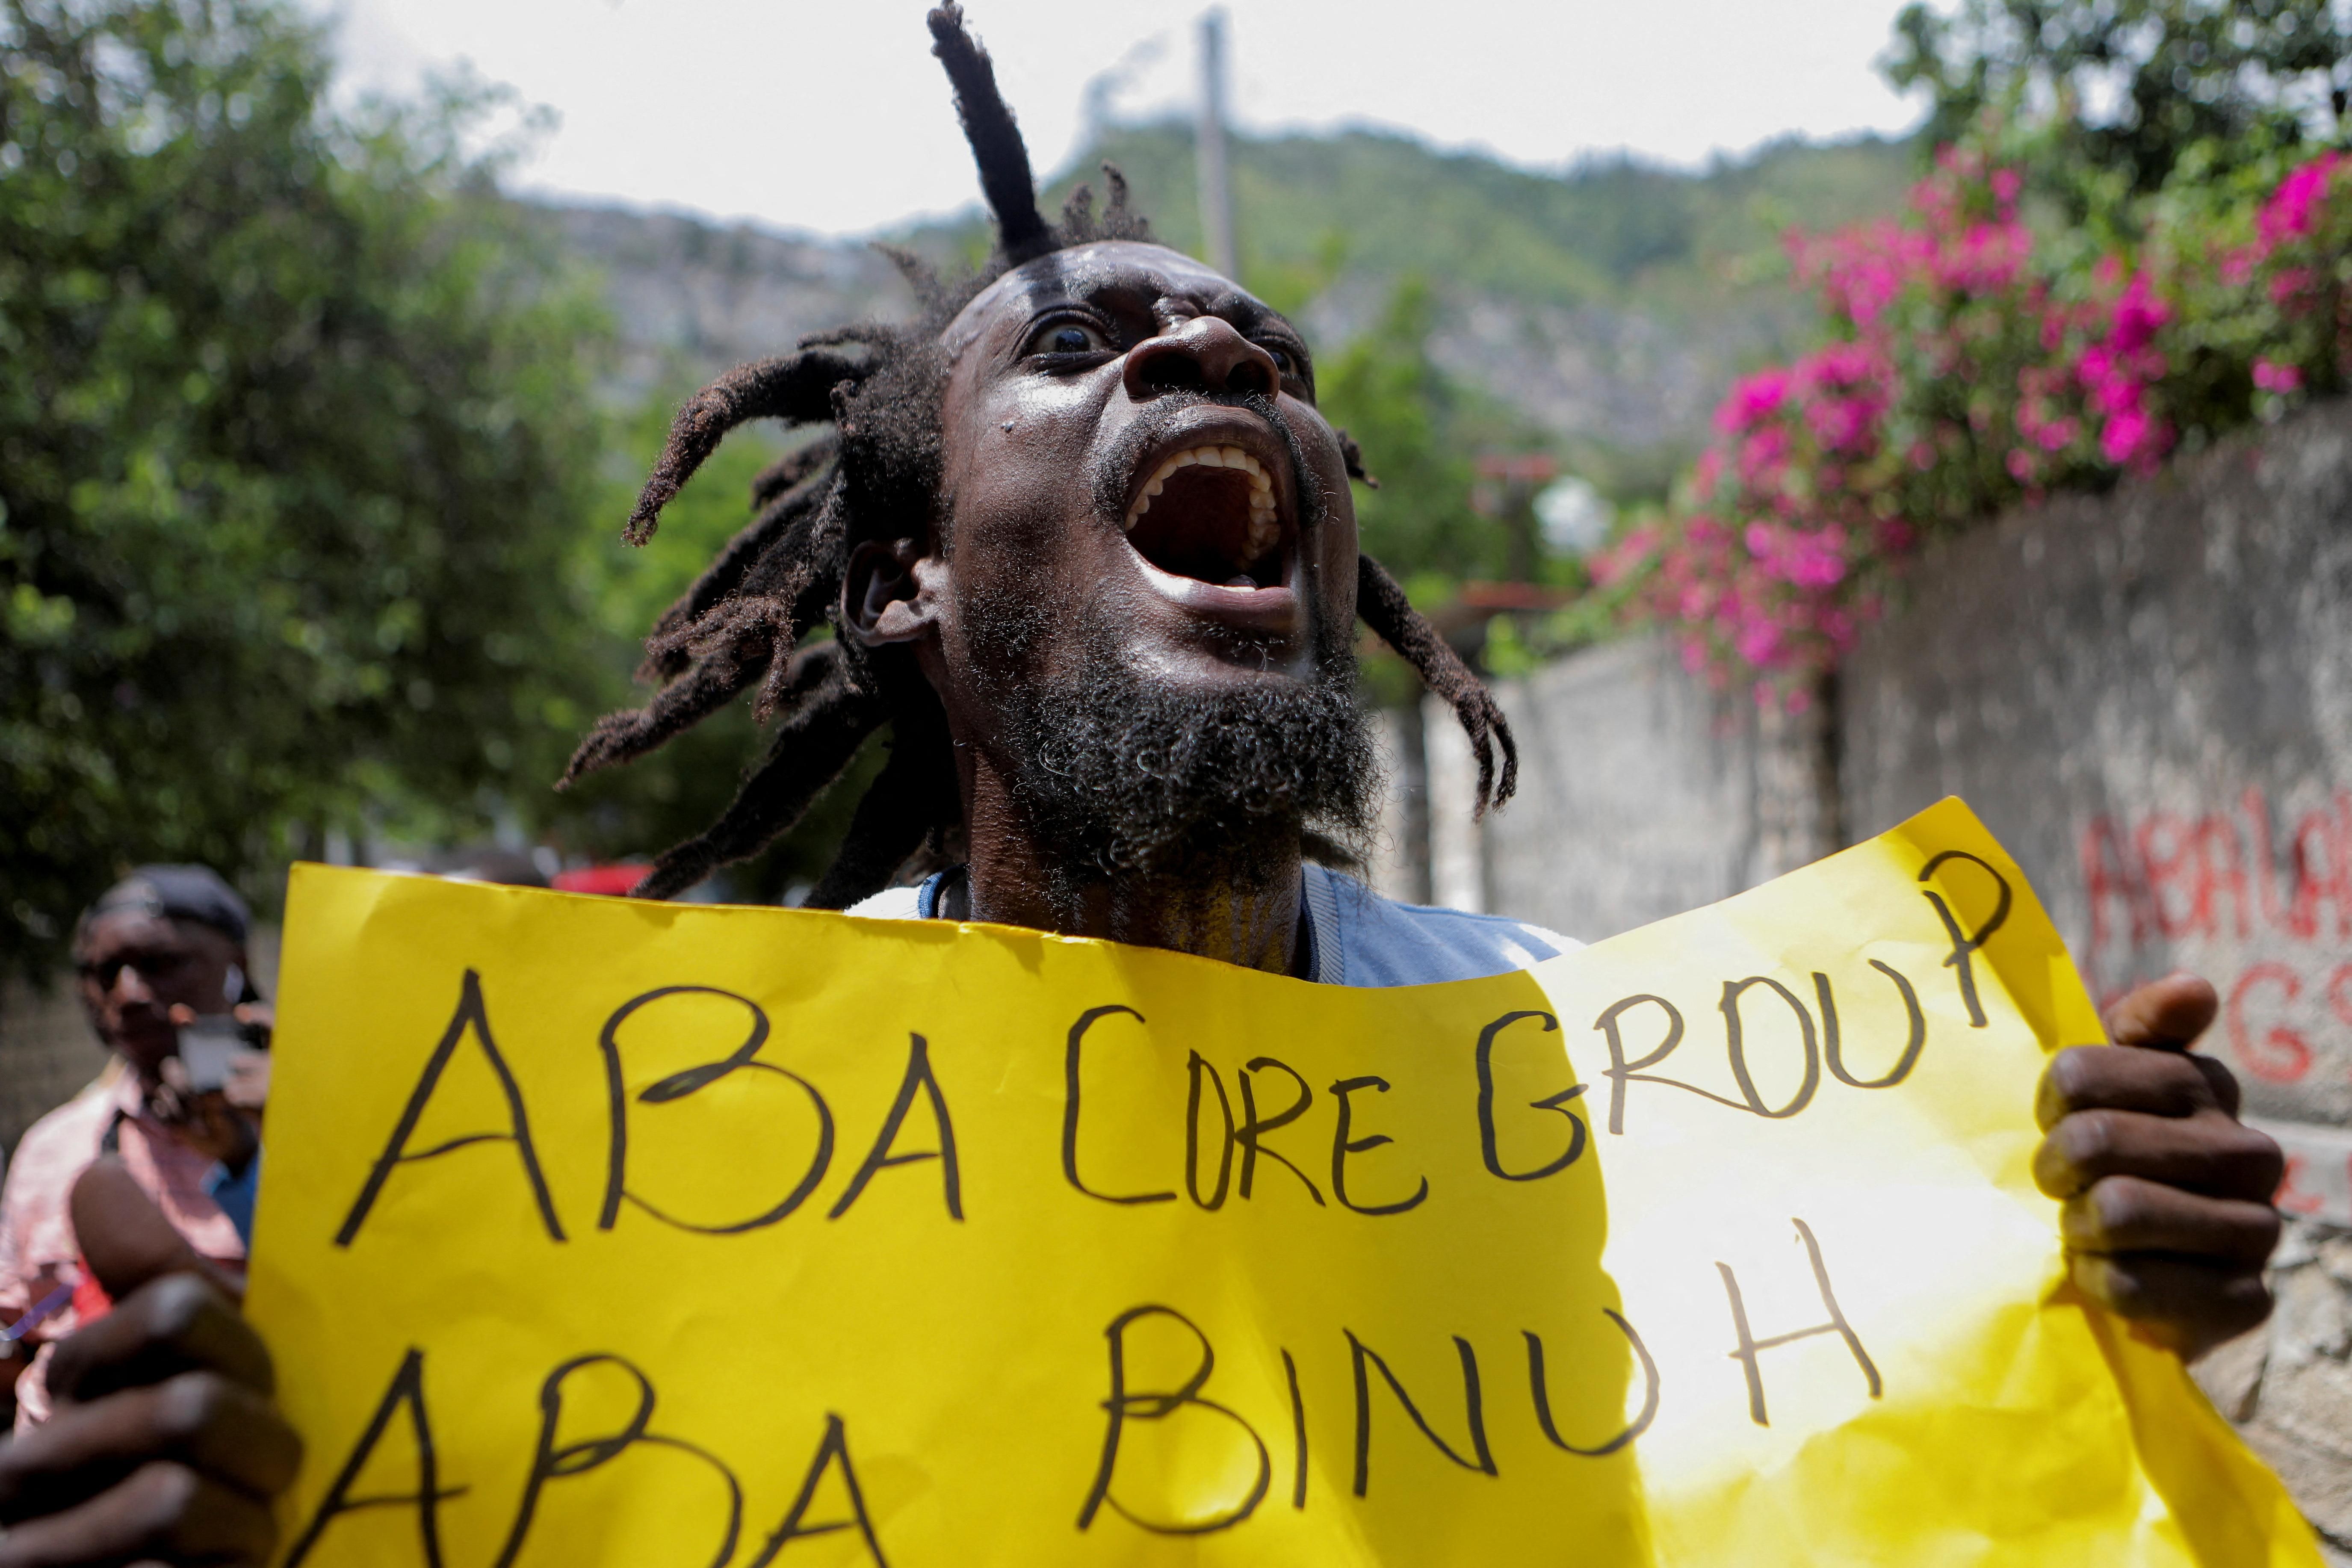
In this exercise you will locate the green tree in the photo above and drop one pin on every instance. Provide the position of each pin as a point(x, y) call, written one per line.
point(2102, 99)
point(1387, 392)
point(295, 439)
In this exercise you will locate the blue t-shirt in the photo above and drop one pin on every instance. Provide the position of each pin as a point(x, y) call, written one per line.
point(1355, 936)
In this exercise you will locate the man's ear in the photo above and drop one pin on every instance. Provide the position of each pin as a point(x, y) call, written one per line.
point(890, 593)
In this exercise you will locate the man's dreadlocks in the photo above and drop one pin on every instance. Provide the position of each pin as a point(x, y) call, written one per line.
point(879, 388)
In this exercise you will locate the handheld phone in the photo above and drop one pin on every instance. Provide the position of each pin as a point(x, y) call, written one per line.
point(210, 1048)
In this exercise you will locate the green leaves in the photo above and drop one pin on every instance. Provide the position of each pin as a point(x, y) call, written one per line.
point(2100, 100)
point(1418, 430)
point(295, 419)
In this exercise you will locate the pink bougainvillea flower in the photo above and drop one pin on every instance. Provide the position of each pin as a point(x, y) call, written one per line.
point(1812, 562)
point(1986, 259)
point(2272, 376)
point(2289, 212)
point(2138, 314)
point(2056, 434)
point(2288, 284)
point(1951, 339)
point(1763, 456)
point(2128, 434)
point(1842, 423)
point(1751, 401)
point(1758, 641)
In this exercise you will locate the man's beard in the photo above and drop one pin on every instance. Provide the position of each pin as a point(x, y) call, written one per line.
point(1125, 776)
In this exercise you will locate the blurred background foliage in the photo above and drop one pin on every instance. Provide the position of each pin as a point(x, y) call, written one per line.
point(2100, 101)
point(1601, 229)
point(295, 429)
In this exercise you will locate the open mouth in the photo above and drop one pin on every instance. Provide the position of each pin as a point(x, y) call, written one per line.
point(1211, 512)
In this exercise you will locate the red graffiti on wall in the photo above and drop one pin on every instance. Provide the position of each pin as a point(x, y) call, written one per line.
point(2294, 1194)
point(2233, 877)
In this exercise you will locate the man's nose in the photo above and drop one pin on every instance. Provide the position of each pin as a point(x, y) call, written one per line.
point(1204, 355)
point(130, 987)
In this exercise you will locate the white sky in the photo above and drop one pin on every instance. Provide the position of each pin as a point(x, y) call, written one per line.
point(831, 115)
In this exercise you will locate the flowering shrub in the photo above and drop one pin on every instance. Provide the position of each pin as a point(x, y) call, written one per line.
point(1972, 363)
point(2299, 256)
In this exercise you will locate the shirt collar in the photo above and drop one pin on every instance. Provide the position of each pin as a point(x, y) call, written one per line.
point(1323, 966)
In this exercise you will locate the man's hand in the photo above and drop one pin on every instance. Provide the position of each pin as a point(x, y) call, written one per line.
point(2167, 1216)
point(164, 1447)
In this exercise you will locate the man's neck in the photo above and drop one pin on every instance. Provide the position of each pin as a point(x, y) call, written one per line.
point(1016, 879)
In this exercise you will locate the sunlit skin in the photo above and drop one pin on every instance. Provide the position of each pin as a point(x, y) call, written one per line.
point(2166, 1196)
point(1032, 431)
point(2167, 1216)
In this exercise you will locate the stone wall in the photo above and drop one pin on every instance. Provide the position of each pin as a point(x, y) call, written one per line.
point(2147, 697)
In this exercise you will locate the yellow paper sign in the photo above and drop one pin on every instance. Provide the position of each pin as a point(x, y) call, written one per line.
point(602, 1232)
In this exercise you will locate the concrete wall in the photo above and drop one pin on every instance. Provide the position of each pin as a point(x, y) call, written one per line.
point(1637, 789)
point(1644, 791)
point(2148, 696)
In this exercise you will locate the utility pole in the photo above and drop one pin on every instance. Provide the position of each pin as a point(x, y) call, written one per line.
point(1216, 192)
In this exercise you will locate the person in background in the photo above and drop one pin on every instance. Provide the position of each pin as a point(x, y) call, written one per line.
point(158, 951)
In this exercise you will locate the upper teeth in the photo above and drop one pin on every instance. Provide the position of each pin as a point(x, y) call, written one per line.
point(1264, 531)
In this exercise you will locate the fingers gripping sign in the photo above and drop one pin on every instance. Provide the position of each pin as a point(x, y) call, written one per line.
point(165, 1446)
point(2167, 1216)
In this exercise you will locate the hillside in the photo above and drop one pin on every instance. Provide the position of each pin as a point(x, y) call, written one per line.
point(1609, 305)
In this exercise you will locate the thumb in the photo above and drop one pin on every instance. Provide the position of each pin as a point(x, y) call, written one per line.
point(2164, 1014)
point(125, 1238)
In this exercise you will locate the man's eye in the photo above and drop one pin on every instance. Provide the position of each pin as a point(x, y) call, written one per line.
point(1068, 338)
point(1284, 360)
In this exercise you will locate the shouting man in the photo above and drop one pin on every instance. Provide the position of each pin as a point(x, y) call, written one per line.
point(1087, 550)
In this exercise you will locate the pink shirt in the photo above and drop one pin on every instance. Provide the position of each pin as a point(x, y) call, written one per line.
point(39, 1254)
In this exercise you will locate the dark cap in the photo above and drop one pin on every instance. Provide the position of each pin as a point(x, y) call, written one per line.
point(180, 892)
